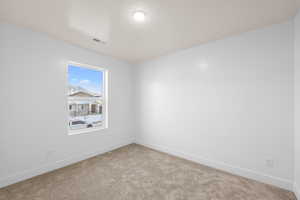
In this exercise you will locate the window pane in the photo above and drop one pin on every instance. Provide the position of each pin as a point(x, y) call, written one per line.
point(85, 97)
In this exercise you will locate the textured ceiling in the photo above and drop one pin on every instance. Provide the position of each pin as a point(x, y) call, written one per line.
point(169, 25)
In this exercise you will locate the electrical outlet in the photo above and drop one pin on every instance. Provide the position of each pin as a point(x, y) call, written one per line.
point(270, 163)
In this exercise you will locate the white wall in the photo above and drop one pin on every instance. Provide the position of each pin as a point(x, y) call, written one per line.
point(227, 104)
point(297, 106)
point(33, 108)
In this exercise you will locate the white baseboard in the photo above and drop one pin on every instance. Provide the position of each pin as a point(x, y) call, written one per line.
point(56, 165)
point(279, 182)
point(297, 191)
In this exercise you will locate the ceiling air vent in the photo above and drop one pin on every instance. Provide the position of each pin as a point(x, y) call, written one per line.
point(99, 41)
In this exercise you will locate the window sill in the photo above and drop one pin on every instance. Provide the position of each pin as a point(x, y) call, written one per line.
point(84, 131)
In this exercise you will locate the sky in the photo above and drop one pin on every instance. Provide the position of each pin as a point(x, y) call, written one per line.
point(89, 79)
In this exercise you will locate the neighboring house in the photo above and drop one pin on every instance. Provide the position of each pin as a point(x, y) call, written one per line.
point(83, 102)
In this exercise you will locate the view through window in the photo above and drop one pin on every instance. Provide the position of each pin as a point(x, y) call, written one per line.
point(86, 97)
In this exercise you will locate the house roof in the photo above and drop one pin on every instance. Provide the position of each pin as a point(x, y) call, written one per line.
point(77, 91)
point(83, 94)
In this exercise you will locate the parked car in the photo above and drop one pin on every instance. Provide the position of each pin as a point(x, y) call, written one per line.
point(97, 123)
point(79, 124)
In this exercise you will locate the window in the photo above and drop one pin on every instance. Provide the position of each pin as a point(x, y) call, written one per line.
point(87, 98)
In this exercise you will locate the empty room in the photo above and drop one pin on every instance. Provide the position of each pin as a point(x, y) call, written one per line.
point(150, 100)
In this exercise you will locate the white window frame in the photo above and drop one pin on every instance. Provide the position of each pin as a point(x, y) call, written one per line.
point(105, 99)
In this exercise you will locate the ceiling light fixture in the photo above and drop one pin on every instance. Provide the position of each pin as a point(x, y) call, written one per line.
point(139, 16)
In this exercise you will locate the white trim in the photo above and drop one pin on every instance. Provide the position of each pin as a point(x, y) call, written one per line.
point(83, 65)
point(56, 165)
point(86, 130)
point(251, 174)
point(297, 191)
point(106, 96)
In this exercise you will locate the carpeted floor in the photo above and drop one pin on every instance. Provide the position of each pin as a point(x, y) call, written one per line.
point(137, 173)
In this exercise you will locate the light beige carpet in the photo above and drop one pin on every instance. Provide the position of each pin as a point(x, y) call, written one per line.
point(138, 173)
